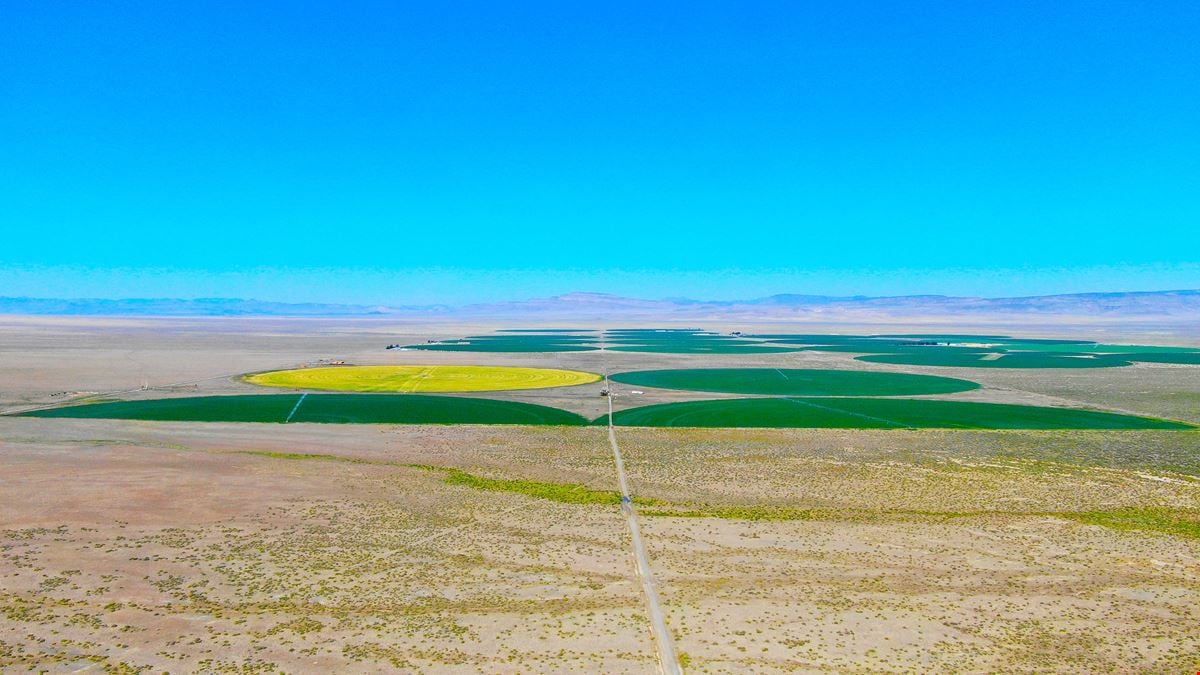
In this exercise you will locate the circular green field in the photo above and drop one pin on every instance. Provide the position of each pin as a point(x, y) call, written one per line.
point(875, 413)
point(410, 379)
point(795, 382)
point(327, 408)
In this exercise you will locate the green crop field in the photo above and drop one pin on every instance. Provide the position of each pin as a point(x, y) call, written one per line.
point(951, 357)
point(932, 349)
point(795, 382)
point(410, 379)
point(986, 351)
point(1182, 358)
point(326, 408)
point(1089, 347)
point(701, 348)
point(685, 341)
point(875, 413)
point(857, 348)
point(950, 337)
point(513, 342)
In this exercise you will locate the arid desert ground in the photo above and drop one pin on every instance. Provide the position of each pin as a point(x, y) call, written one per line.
point(130, 546)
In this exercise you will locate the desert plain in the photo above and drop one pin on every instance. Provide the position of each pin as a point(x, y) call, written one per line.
point(141, 546)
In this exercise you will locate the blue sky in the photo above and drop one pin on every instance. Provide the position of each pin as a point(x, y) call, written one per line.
point(454, 152)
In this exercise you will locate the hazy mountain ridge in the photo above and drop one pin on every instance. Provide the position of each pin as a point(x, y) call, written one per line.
point(1177, 305)
point(186, 307)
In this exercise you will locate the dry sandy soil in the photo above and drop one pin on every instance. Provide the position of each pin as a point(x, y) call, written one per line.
point(128, 546)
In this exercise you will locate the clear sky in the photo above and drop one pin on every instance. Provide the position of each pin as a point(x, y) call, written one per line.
point(453, 152)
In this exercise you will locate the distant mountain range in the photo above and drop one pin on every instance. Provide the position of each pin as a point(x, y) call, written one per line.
point(176, 307)
point(1176, 306)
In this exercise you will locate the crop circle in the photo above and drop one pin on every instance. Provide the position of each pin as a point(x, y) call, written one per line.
point(421, 379)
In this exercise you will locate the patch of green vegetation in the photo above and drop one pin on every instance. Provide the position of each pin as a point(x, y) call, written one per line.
point(565, 493)
point(301, 626)
point(1176, 522)
point(304, 456)
point(795, 382)
point(776, 513)
point(743, 512)
point(1173, 522)
point(248, 666)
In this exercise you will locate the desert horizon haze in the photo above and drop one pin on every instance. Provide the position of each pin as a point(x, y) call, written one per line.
point(1177, 312)
point(1136, 302)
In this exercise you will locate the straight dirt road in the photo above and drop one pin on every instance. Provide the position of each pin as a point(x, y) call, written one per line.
point(668, 660)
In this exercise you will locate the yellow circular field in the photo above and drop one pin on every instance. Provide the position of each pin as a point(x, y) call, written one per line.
point(422, 378)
